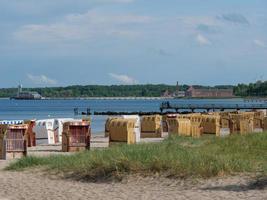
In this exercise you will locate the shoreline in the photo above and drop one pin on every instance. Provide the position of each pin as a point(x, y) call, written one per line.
point(130, 98)
point(248, 98)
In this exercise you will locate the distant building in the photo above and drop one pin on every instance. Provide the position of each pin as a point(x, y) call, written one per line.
point(175, 94)
point(180, 94)
point(24, 95)
point(210, 92)
point(166, 94)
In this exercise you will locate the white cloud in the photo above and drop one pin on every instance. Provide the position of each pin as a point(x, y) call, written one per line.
point(98, 18)
point(202, 40)
point(209, 29)
point(199, 24)
point(124, 79)
point(260, 43)
point(41, 79)
point(46, 33)
point(83, 26)
point(193, 21)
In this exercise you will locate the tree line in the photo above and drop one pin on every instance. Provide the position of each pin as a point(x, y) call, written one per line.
point(148, 90)
point(258, 89)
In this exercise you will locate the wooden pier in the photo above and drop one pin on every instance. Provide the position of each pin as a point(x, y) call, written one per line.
point(182, 108)
point(210, 107)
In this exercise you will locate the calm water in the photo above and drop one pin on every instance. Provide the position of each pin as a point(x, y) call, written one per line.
point(43, 109)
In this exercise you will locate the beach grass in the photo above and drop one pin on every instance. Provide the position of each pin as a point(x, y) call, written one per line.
point(176, 156)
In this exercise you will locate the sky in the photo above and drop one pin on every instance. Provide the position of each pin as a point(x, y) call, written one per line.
point(70, 42)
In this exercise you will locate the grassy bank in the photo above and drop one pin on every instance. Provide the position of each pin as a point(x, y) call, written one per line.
point(176, 156)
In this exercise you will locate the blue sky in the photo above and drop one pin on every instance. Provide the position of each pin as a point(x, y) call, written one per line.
point(69, 42)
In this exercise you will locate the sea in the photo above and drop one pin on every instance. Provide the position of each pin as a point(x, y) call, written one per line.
point(44, 109)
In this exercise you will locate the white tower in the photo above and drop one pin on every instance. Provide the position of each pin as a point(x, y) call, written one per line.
point(19, 89)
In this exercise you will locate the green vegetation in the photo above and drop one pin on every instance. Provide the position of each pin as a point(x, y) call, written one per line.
point(7, 92)
point(99, 91)
point(184, 157)
point(258, 89)
point(253, 89)
point(147, 90)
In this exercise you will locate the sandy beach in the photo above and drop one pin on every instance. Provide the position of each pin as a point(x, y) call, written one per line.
point(28, 185)
point(38, 185)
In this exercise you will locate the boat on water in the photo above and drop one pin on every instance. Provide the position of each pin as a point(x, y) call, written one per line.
point(26, 95)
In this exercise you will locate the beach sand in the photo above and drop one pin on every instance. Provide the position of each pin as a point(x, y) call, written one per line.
point(38, 185)
point(28, 185)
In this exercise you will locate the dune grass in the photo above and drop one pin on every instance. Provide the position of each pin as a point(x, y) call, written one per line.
point(184, 157)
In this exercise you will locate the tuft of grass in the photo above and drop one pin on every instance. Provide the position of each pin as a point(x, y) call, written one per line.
point(175, 157)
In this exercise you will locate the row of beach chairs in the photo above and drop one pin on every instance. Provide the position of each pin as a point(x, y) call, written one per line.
point(221, 124)
point(129, 129)
point(15, 139)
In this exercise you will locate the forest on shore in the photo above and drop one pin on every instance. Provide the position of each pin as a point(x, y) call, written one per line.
point(258, 89)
